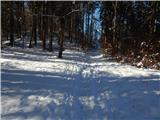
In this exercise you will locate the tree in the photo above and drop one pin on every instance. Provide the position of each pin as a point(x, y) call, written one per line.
point(61, 38)
point(12, 23)
point(34, 24)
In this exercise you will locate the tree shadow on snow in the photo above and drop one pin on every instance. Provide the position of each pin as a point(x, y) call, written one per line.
point(53, 95)
point(58, 96)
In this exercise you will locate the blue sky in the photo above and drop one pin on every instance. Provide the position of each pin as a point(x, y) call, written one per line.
point(97, 22)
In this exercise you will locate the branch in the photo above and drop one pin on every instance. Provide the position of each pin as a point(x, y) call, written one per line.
point(45, 15)
point(71, 12)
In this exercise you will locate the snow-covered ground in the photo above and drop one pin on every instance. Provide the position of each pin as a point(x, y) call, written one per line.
point(37, 85)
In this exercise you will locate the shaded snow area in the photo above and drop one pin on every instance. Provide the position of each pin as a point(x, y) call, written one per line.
point(36, 85)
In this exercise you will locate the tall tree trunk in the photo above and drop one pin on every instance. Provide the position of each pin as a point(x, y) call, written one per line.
point(39, 26)
point(92, 27)
point(11, 24)
point(114, 26)
point(83, 37)
point(44, 28)
point(20, 19)
point(34, 27)
point(34, 33)
point(51, 37)
point(23, 24)
point(61, 39)
point(88, 33)
point(50, 30)
point(71, 27)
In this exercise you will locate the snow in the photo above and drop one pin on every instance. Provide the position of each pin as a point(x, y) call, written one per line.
point(36, 85)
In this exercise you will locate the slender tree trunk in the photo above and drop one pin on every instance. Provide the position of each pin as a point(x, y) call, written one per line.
point(11, 24)
point(34, 27)
point(92, 27)
point(23, 23)
point(51, 38)
point(39, 26)
point(83, 37)
point(114, 26)
point(71, 27)
point(35, 30)
point(33, 36)
point(50, 30)
point(44, 28)
point(75, 27)
point(88, 33)
point(61, 39)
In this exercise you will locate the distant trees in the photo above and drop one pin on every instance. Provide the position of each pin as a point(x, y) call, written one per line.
point(123, 21)
point(126, 26)
point(13, 20)
point(131, 28)
point(71, 21)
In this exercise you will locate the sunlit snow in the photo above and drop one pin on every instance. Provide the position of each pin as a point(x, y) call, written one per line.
point(85, 86)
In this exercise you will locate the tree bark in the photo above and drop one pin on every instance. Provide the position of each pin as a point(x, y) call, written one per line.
point(34, 27)
point(50, 30)
point(44, 27)
point(114, 27)
point(61, 39)
point(11, 24)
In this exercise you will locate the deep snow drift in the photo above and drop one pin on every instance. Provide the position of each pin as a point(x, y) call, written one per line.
point(82, 86)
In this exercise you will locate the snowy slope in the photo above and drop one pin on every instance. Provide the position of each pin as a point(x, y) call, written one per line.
point(37, 85)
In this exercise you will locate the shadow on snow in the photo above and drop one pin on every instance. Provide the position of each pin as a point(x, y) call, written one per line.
point(64, 96)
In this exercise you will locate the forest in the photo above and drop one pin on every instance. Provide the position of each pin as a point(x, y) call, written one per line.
point(128, 31)
point(80, 60)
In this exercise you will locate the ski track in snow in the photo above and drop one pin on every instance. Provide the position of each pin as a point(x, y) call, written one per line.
point(36, 85)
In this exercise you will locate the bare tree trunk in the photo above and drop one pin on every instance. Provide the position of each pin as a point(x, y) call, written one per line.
point(39, 26)
point(61, 39)
point(23, 23)
point(50, 30)
point(114, 26)
point(34, 27)
point(44, 28)
point(71, 27)
point(51, 37)
point(11, 24)
point(88, 33)
point(83, 37)
point(92, 27)
point(35, 31)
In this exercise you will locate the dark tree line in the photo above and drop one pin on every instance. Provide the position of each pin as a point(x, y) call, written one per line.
point(12, 18)
point(131, 31)
point(43, 20)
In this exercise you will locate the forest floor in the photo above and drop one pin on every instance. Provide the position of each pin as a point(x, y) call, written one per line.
point(82, 86)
